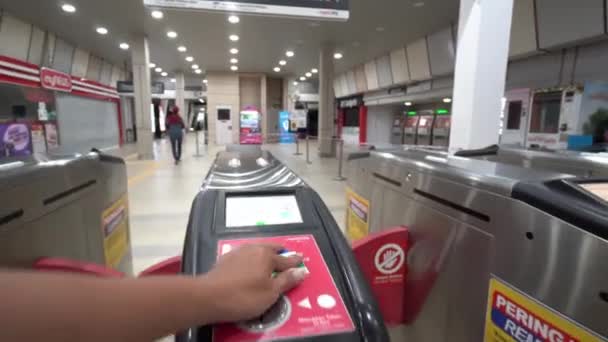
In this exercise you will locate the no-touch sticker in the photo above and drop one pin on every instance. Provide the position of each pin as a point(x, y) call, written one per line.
point(389, 259)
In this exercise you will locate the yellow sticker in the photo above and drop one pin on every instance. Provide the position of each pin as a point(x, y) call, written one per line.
point(514, 317)
point(115, 229)
point(357, 216)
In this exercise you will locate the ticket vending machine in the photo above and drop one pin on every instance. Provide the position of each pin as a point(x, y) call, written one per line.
point(441, 130)
point(424, 135)
point(250, 197)
point(410, 130)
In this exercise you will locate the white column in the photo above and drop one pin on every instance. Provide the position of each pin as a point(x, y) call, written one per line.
point(481, 68)
point(180, 98)
point(326, 101)
point(140, 58)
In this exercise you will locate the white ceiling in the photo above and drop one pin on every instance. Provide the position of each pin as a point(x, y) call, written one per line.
point(375, 27)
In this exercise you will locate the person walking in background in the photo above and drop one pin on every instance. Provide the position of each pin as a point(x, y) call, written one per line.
point(175, 126)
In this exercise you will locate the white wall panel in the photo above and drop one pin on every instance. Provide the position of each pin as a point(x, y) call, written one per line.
point(81, 63)
point(537, 72)
point(337, 88)
point(385, 75)
point(49, 49)
point(591, 63)
point(442, 52)
point(352, 83)
point(399, 67)
point(565, 21)
point(106, 73)
point(344, 84)
point(523, 29)
point(361, 79)
point(62, 59)
point(14, 37)
point(36, 46)
point(115, 76)
point(418, 60)
point(94, 68)
point(371, 74)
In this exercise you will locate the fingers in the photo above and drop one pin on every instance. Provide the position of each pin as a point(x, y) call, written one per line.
point(281, 263)
point(289, 279)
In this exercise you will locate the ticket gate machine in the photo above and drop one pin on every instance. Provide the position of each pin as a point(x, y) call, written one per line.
point(424, 134)
point(72, 207)
point(499, 252)
point(250, 197)
point(410, 130)
point(441, 130)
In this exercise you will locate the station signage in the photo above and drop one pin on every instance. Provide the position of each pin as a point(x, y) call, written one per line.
point(127, 87)
point(55, 80)
point(319, 9)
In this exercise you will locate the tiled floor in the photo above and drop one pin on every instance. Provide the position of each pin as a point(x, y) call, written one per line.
point(160, 194)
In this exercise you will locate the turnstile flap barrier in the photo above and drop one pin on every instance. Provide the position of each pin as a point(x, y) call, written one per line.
point(382, 258)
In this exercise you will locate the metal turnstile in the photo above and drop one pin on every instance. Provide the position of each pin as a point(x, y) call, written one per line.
point(441, 130)
point(250, 197)
point(581, 164)
point(499, 252)
point(73, 207)
point(410, 130)
point(424, 134)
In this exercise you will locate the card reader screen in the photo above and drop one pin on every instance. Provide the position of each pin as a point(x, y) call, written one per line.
point(598, 189)
point(242, 211)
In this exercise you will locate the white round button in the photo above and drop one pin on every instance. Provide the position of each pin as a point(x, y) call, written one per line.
point(326, 301)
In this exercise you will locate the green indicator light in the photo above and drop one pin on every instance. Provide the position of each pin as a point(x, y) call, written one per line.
point(412, 113)
point(443, 111)
point(261, 223)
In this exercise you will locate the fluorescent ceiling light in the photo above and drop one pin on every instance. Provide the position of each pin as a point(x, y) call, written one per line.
point(315, 71)
point(234, 68)
point(68, 8)
point(234, 19)
point(173, 80)
point(189, 59)
point(152, 65)
point(102, 30)
point(157, 14)
point(195, 66)
point(290, 54)
point(282, 62)
point(158, 69)
point(205, 81)
point(234, 38)
point(408, 103)
point(198, 71)
point(338, 55)
point(164, 74)
point(234, 51)
point(234, 60)
point(447, 100)
point(172, 34)
point(277, 69)
point(124, 46)
point(182, 48)
point(295, 83)
point(302, 78)
point(308, 74)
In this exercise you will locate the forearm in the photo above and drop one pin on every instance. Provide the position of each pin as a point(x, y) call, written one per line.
point(75, 308)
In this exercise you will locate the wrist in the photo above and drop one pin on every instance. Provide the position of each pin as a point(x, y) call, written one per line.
point(209, 295)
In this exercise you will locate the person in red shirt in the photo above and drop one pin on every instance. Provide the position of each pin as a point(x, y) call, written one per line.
point(175, 127)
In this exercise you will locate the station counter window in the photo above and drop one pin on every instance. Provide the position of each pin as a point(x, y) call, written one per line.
point(546, 111)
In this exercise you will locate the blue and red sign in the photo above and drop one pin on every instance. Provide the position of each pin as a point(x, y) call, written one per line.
point(15, 140)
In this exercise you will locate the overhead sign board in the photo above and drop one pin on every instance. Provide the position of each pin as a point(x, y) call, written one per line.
point(55, 80)
point(321, 9)
point(126, 87)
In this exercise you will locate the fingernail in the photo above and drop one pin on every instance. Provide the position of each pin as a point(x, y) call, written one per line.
point(299, 274)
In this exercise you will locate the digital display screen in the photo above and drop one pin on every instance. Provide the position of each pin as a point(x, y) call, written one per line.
point(598, 189)
point(242, 211)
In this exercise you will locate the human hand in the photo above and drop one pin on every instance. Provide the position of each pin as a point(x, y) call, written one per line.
point(243, 285)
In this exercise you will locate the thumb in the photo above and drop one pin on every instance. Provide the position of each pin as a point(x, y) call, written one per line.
point(289, 279)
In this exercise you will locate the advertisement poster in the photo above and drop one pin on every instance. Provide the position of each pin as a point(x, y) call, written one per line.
point(285, 136)
point(323, 9)
point(115, 228)
point(357, 216)
point(298, 120)
point(38, 139)
point(594, 111)
point(52, 137)
point(15, 140)
point(512, 316)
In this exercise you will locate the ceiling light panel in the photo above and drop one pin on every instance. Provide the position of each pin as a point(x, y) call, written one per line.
point(234, 68)
point(282, 62)
point(172, 34)
point(68, 8)
point(233, 19)
point(124, 46)
point(182, 48)
point(290, 53)
point(234, 51)
point(189, 59)
point(102, 30)
point(157, 14)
